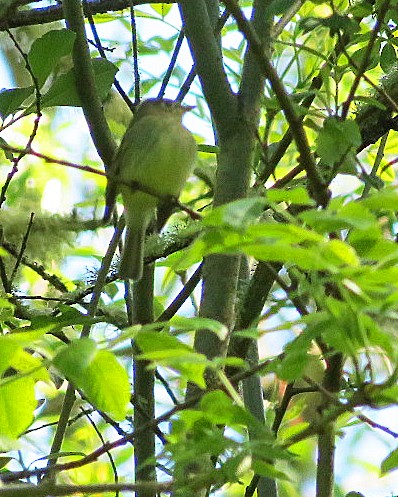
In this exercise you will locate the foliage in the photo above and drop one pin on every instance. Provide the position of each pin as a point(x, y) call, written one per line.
point(302, 99)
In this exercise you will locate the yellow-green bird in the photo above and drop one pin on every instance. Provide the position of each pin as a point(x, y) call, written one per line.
point(159, 153)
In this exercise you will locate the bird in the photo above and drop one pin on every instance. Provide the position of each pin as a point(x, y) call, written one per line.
point(157, 153)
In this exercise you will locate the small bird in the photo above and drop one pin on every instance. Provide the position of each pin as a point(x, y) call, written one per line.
point(158, 153)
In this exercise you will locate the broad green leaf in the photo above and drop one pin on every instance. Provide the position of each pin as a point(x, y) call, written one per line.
point(376, 336)
point(68, 317)
point(220, 409)
point(335, 23)
point(17, 404)
point(339, 253)
point(9, 156)
point(162, 9)
point(302, 257)
point(297, 196)
point(168, 351)
point(361, 9)
point(338, 23)
point(7, 309)
point(8, 349)
point(358, 56)
point(46, 52)
point(12, 345)
point(336, 139)
point(12, 99)
point(292, 366)
point(277, 7)
point(390, 463)
point(106, 384)
point(73, 359)
point(377, 279)
point(268, 470)
point(98, 374)
point(237, 215)
point(287, 233)
point(27, 363)
point(310, 23)
point(191, 324)
point(380, 395)
point(4, 460)
point(382, 200)
point(369, 245)
point(370, 101)
point(63, 90)
point(388, 57)
point(352, 215)
point(152, 341)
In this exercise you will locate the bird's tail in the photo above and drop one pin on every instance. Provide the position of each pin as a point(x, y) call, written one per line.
point(132, 262)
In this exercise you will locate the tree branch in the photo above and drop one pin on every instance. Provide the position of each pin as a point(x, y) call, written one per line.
point(318, 189)
point(86, 89)
point(45, 15)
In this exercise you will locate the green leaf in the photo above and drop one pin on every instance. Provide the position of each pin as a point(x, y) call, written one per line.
point(361, 9)
point(308, 24)
point(8, 349)
point(314, 258)
point(351, 215)
point(98, 374)
point(292, 366)
point(335, 23)
point(46, 52)
point(338, 23)
point(9, 156)
point(11, 347)
point(182, 323)
point(17, 404)
point(167, 351)
point(74, 359)
point(380, 395)
point(373, 59)
point(11, 100)
point(382, 200)
point(106, 384)
point(162, 9)
point(152, 341)
point(63, 90)
point(390, 463)
point(220, 409)
point(336, 139)
point(68, 317)
point(297, 196)
point(27, 363)
point(339, 253)
point(4, 461)
point(388, 57)
point(277, 7)
point(268, 470)
point(288, 233)
point(237, 215)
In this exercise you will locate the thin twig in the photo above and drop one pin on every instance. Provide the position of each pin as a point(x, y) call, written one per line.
point(100, 48)
point(134, 41)
point(23, 248)
point(36, 122)
point(381, 13)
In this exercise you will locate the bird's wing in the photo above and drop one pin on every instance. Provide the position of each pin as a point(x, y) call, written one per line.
point(136, 146)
